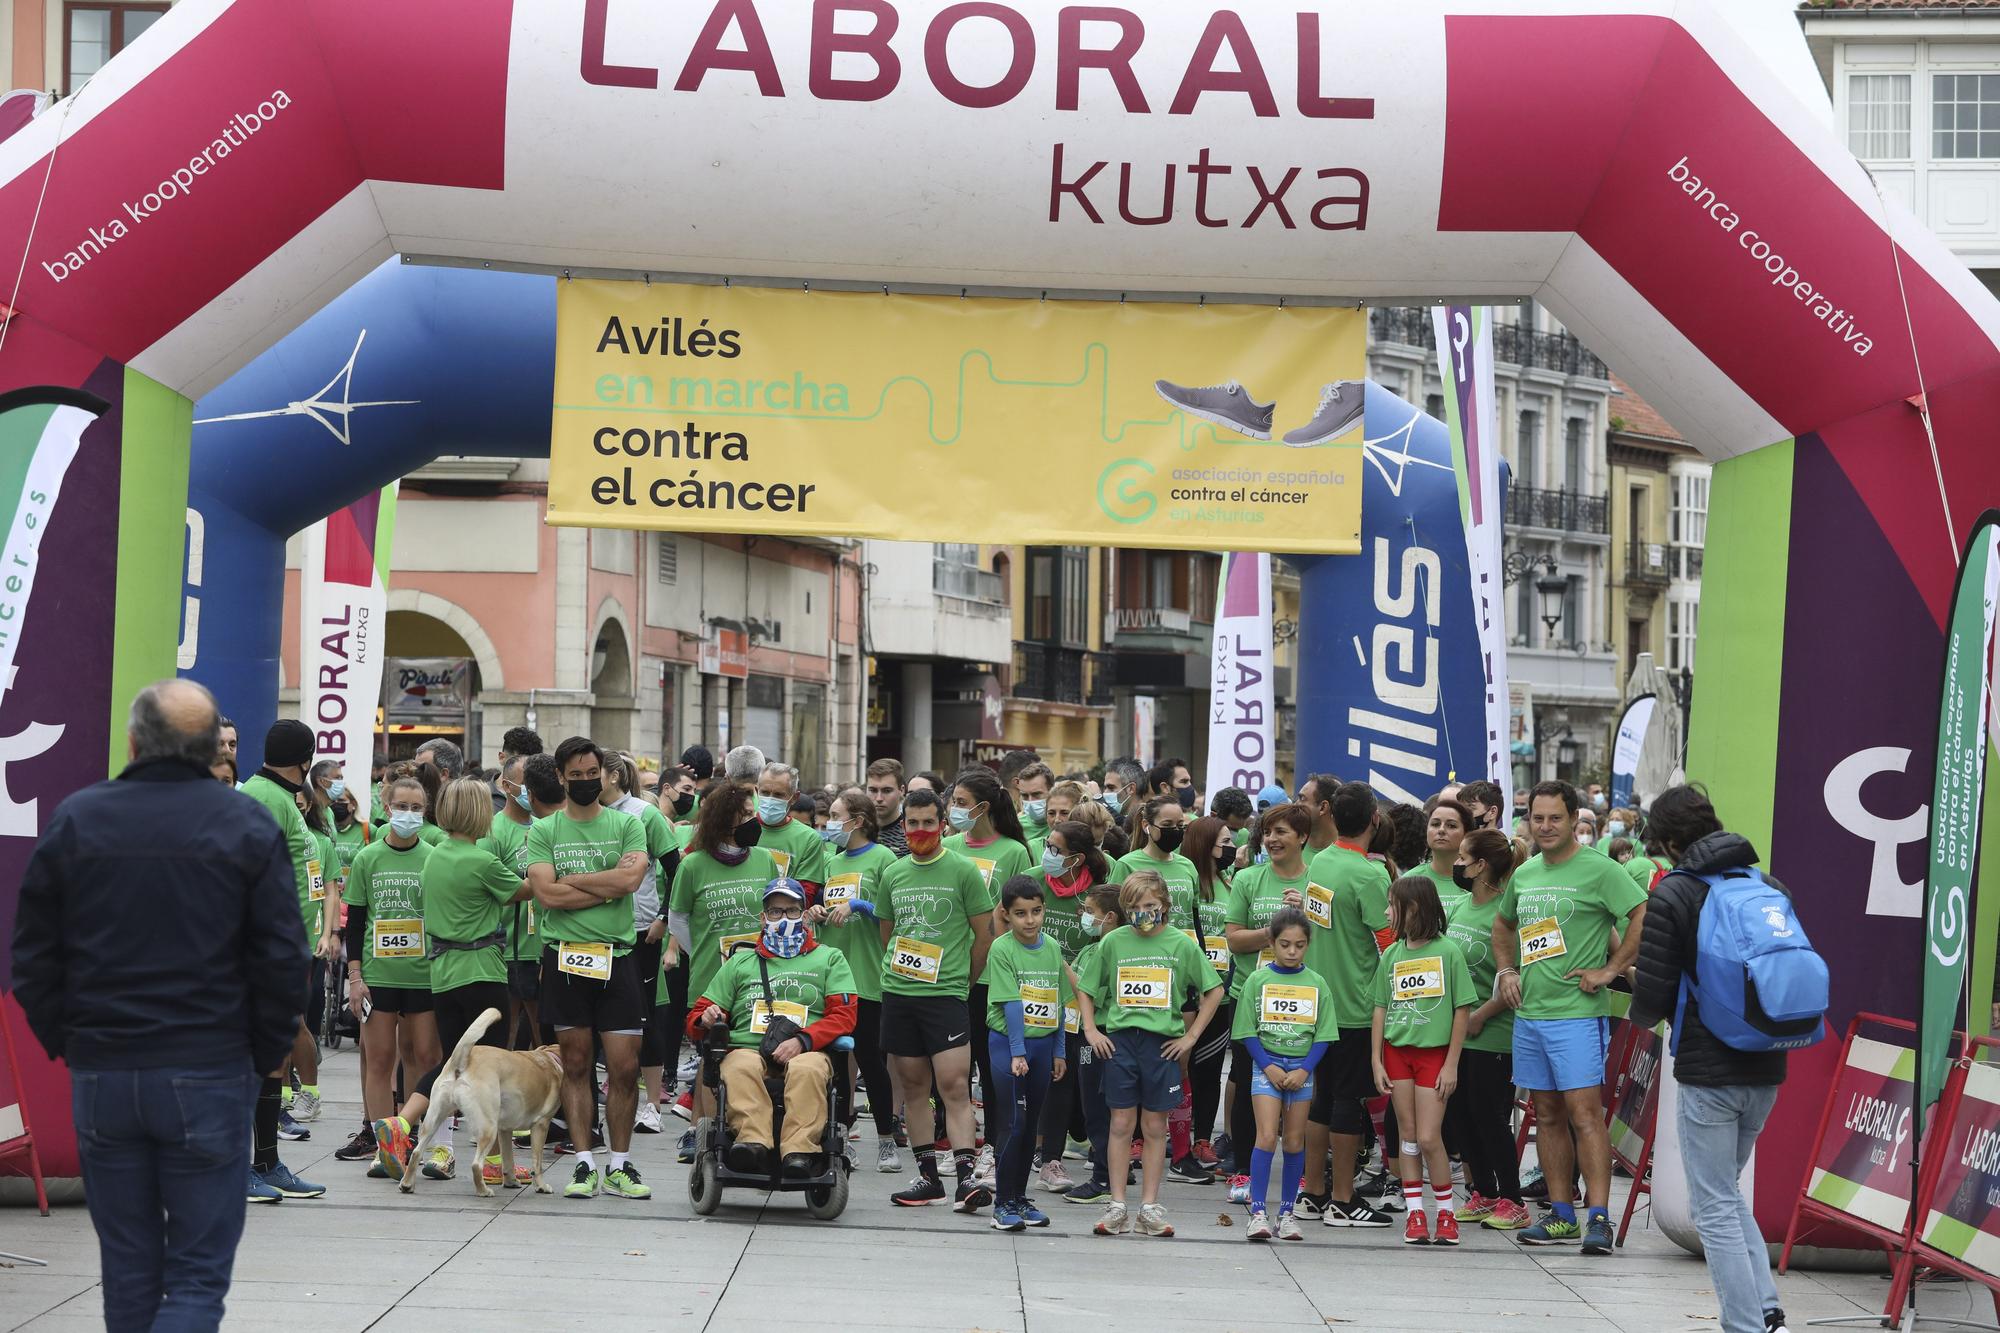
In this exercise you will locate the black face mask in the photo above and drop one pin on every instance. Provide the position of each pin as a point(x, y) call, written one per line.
point(585, 791)
point(684, 803)
point(747, 833)
point(1168, 839)
point(1463, 877)
point(1186, 796)
point(1226, 858)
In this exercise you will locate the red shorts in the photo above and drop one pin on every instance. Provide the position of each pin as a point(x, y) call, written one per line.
point(1419, 1064)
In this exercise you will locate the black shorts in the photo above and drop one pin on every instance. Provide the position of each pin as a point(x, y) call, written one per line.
point(401, 999)
point(922, 1026)
point(616, 1005)
point(524, 978)
point(1346, 1074)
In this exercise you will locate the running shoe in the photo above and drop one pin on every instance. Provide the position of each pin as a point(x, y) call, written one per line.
point(1552, 1230)
point(493, 1173)
point(1289, 1228)
point(1774, 1322)
point(262, 1191)
point(1076, 1150)
point(305, 1105)
point(1239, 1189)
point(290, 1130)
point(689, 1066)
point(1355, 1213)
point(1153, 1221)
point(1030, 1214)
point(442, 1165)
point(1507, 1216)
point(1115, 1222)
point(1225, 404)
point(1055, 1178)
point(1204, 1152)
point(377, 1171)
point(647, 1119)
point(361, 1146)
point(1308, 1205)
point(684, 1150)
point(983, 1168)
point(1006, 1219)
point(887, 1160)
point(1447, 1230)
point(584, 1184)
point(1087, 1191)
point(1190, 1172)
point(1339, 411)
point(925, 1189)
point(393, 1144)
point(971, 1196)
point(1596, 1234)
point(287, 1182)
point(1414, 1230)
point(684, 1106)
point(1533, 1186)
point(1477, 1208)
point(1260, 1225)
point(623, 1182)
point(1138, 1151)
point(1389, 1199)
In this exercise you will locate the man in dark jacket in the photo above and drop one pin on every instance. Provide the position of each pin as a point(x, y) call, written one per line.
point(1725, 1094)
point(157, 950)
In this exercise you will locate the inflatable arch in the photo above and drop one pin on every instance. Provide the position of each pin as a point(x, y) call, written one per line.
point(1631, 166)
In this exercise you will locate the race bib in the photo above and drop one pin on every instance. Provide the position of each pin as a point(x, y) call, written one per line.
point(1072, 1019)
point(1038, 1007)
point(315, 881)
point(589, 961)
point(1418, 979)
point(760, 1014)
point(1319, 905)
point(729, 942)
point(985, 870)
point(784, 860)
point(1541, 939)
point(915, 959)
point(1217, 949)
point(399, 939)
point(531, 919)
point(1144, 987)
point(841, 889)
point(1265, 957)
point(1290, 1004)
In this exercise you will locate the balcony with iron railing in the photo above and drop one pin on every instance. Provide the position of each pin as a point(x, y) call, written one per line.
point(1512, 344)
point(1648, 563)
point(1684, 563)
point(1055, 674)
point(968, 583)
point(1558, 510)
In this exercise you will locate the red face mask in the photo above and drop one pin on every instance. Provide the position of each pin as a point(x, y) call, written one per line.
point(923, 842)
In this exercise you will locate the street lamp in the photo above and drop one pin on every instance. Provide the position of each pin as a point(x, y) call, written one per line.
point(1553, 589)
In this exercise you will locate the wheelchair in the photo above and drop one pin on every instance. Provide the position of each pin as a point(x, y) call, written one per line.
point(826, 1193)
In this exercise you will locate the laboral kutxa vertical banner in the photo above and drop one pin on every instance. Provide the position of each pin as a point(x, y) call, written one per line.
point(1241, 729)
point(343, 609)
point(863, 414)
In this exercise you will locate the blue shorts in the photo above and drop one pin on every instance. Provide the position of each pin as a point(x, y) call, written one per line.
point(1260, 1086)
point(1138, 1075)
point(1560, 1054)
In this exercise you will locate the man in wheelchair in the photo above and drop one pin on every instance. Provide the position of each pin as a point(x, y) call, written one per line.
point(785, 1002)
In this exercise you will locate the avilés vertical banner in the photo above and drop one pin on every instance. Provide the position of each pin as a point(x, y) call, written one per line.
point(1241, 729)
point(1955, 803)
point(40, 432)
point(1465, 363)
point(343, 609)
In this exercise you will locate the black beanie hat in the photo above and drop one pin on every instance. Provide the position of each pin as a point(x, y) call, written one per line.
point(288, 742)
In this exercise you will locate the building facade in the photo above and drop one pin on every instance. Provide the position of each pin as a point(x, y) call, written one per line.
point(1659, 523)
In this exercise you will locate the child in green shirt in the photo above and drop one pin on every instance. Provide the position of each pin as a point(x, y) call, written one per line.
point(1027, 989)
point(1285, 1020)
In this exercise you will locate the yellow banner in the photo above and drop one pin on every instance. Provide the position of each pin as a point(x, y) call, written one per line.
point(759, 409)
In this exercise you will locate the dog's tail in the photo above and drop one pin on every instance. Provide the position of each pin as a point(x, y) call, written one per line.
point(454, 1065)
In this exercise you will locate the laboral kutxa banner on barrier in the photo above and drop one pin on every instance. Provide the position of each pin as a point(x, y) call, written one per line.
point(1963, 1219)
point(862, 414)
point(1864, 1162)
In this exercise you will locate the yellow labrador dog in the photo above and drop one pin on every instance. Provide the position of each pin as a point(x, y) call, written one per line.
point(496, 1092)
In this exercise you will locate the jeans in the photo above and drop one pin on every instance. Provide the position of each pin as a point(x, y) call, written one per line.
point(1718, 1128)
point(162, 1154)
point(1015, 1108)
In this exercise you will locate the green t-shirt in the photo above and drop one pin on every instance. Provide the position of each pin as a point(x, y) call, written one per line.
point(1286, 1011)
point(1347, 902)
point(1062, 920)
point(998, 861)
point(854, 874)
point(1138, 981)
point(1471, 929)
point(347, 844)
point(389, 883)
point(585, 849)
point(466, 888)
point(431, 835)
point(796, 849)
point(508, 841)
point(931, 905)
point(1255, 893)
point(1211, 920)
point(1179, 873)
point(1449, 894)
point(1642, 869)
point(1419, 989)
point(327, 858)
point(1035, 977)
point(306, 869)
point(1564, 915)
point(724, 906)
point(799, 988)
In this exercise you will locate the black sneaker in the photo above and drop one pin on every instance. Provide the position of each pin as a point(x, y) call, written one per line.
point(971, 1196)
point(1774, 1322)
point(1190, 1172)
point(1354, 1213)
point(1312, 1205)
point(923, 1190)
point(359, 1148)
point(1533, 1186)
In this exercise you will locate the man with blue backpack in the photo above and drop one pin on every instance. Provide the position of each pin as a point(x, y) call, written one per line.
point(1726, 960)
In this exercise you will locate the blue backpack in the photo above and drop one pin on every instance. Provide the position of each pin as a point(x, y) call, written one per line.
point(1760, 985)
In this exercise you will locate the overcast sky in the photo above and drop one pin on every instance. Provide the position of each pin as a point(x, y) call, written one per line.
point(1772, 28)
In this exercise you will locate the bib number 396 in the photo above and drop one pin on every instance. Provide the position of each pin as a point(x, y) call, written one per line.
point(915, 959)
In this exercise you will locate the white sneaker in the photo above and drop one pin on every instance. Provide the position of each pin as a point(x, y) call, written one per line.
point(887, 1160)
point(305, 1106)
point(982, 1170)
point(647, 1121)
